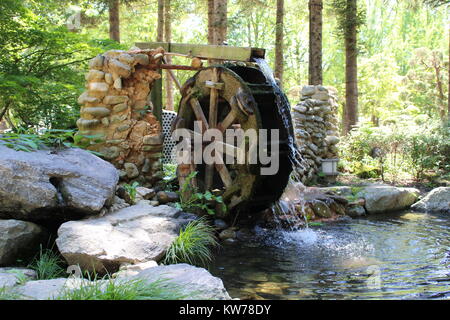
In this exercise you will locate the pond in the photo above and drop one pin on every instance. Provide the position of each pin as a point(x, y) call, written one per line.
point(387, 256)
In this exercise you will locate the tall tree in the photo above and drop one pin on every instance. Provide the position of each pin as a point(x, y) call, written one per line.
point(349, 21)
point(160, 27)
point(220, 21)
point(315, 42)
point(168, 38)
point(437, 3)
point(211, 8)
point(279, 41)
point(114, 20)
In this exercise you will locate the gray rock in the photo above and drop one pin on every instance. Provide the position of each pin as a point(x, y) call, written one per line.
point(145, 193)
point(220, 224)
point(128, 270)
point(321, 209)
point(355, 211)
point(308, 90)
point(131, 170)
point(133, 235)
point(191, 282)
point(387, 198)
point(48, 289)
point(227, 234)
point(10, 277)
point(437, 200)
point(44, 185)
point(195, 283)
point(19, 240)
point(167, 196)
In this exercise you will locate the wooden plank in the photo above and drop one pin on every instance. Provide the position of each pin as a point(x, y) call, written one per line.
point(206, 51)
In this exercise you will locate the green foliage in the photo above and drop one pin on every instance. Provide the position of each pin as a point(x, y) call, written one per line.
point(48, 265)
point(29, 140)
point(193, 244)
point(110, 289)
point(198, 201)
point(131, 189)
point(41, 65)
point(397, 150)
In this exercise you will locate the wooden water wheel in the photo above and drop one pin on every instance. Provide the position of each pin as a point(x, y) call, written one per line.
point(232, 96)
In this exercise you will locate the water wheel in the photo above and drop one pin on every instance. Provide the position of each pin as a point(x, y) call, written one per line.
point(224, 97)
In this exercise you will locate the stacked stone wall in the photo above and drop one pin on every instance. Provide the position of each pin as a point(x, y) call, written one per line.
point(116, 114)
point(315, 127)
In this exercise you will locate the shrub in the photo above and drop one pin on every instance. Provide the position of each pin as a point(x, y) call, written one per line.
point(397, 150)
point(193, 244)
point(48, 265)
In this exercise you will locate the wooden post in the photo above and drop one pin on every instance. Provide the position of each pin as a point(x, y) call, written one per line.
point(156, 98)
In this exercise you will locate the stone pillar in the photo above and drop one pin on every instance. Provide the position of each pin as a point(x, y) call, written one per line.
point(315, 127)
point(116, 116)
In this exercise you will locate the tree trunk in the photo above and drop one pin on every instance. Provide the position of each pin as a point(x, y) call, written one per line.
point(351, 69)
point(439, 86)
point(160, 28)
point(220, 22)
point(114, 21)
point(211, 15)
point(168, 36)
point(315, 42)
point(279, 41)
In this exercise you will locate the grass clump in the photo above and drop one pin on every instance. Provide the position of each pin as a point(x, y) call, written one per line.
point(8, 294)
point(136, 289)
point(48, 265)
point(193, 245)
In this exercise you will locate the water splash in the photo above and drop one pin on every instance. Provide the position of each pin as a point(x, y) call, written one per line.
point(291, 203)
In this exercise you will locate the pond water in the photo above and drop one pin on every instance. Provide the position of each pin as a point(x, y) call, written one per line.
point(388, 256)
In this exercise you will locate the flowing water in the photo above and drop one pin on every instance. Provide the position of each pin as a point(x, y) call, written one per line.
point(387, 256)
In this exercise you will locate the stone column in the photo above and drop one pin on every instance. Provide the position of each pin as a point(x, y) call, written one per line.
point(315, 127)
point(116, 114)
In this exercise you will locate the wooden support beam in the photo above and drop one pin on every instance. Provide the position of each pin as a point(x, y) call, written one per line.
point(206, 51)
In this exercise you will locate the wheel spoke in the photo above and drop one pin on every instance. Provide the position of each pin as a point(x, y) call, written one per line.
point(197, 108)
point(227, 122)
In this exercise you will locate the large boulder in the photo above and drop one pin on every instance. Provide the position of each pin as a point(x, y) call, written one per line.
point(134, 234)
point(191, 283)
point(19, 240)
point(381, 198)
point(65, 184)
point(10, 277)
point(437, 200)
point(194, 283)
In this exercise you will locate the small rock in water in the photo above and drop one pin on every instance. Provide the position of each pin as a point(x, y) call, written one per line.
point(355, 211)
point(220, 224)
point(321, 209)
point(227, 234)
